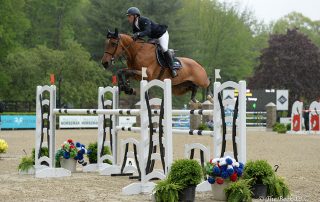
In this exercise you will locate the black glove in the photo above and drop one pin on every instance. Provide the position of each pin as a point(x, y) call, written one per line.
point(135, 36)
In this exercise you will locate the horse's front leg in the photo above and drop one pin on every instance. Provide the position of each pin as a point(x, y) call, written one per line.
point(124, 75)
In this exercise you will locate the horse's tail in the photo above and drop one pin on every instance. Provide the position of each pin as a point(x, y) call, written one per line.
point(209, 91)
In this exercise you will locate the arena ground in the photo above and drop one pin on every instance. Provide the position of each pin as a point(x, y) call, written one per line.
point(297, 156)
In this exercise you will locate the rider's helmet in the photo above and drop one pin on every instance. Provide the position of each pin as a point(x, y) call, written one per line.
point(133, 11)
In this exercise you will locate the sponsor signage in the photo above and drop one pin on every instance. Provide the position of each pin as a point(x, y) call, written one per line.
point(18, 121)
point(78, 121)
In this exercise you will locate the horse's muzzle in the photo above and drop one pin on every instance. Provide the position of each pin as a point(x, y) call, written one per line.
point(105, 64)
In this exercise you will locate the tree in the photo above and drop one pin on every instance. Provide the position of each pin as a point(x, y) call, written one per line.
point(305, 25)
point(291, 62)
point(13, 23)
point(80, 76)
point(51, 22)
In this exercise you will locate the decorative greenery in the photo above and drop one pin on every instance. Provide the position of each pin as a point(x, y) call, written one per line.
point(43, 152)
point(258, 171)
point(26, 163)
point(279, 127)
point(186, 172)
point(239, 191)
point(261, 172)
point(3, 146)
point(277, 187)
point(167, 191)
point(92, 155)
point(220, 169)
point(203, 126)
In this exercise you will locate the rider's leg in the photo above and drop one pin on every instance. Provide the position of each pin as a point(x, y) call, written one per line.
point(164, 42)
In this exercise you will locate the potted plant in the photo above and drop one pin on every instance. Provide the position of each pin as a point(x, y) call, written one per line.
point(92, 153)
point(167, 191)
point(220, 172)
point(3, 146)
point(259, 172)
point(277, 188)
point(26, 165)
point(69, 153)
point(187, 173)
point(239, 191)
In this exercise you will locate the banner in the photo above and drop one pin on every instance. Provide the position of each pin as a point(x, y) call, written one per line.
point(18, 121)
point(282, 100)
point(78, 121)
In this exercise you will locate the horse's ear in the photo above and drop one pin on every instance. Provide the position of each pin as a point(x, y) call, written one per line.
point(116, 33)
point(109, 34)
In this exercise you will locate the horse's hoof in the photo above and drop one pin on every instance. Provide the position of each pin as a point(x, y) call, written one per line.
point(210, 98)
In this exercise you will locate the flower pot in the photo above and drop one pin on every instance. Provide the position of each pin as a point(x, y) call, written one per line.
point(188, 194)
point(218, 191)
point(69, 164)
point(259, 191)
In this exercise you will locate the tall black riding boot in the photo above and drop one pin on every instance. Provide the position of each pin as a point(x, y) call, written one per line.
point(169, 60)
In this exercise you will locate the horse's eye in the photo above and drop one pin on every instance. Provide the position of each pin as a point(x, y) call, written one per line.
point(113, 44)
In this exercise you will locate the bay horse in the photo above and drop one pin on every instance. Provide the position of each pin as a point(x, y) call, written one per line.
point(139, 53)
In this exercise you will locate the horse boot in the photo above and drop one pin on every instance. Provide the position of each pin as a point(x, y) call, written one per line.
point(169, 60)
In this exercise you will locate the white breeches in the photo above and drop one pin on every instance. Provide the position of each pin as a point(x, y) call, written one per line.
point(164, 41)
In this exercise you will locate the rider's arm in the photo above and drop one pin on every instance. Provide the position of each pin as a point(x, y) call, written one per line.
point(145, 26)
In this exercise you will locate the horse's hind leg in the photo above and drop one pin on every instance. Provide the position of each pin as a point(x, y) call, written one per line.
point(194, 89)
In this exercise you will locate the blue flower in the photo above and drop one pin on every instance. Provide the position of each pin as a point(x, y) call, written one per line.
point(216, 170)
point(229, 161)
point(224, 174)
point(211, 180)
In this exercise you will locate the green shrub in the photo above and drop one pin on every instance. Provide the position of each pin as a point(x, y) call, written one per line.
point(239, 191)
point(26, 163)
point(288, 126)
point(186, 172)
point(167, 191)
point(280, 128)
point(93, 147)
point(203, 126)
point(277, 187)
point(43, 152)
point(258, 171)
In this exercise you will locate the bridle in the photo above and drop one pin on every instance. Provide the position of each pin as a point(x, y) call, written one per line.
point(122, 55)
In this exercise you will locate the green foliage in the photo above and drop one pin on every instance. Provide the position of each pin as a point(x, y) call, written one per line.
point(34, 66)
point(167, 191)
point(288, 126)
point(279, 127)
point(186, 172)
point(239, 191)
point(43, 152)
point(13, 24)
point(203, 126)
point(93, 147)
point(26, 163)
point(290, 53)
point(258, 171)
point(277, 187)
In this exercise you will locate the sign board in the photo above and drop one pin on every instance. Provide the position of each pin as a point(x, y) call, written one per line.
point(127, 121)
point(78, 121)
point(282, 100)
point(18, 121)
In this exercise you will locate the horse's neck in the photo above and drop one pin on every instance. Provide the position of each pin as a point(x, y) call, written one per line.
point(133, 50)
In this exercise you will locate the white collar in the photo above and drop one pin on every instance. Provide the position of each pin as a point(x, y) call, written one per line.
point(136, 23)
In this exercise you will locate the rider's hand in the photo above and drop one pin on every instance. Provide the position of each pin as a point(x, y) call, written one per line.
point(135, 36)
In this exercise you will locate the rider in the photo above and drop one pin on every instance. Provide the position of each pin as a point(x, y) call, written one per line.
point(143, 26)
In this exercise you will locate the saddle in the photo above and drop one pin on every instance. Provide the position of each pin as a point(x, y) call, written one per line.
point(160, 57)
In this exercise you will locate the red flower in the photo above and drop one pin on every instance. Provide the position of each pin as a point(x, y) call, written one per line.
point(70, 140)
point(234, 177)
point(72, 147)
point(219, 180)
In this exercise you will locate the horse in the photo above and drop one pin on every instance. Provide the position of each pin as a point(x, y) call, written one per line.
point(139, 53)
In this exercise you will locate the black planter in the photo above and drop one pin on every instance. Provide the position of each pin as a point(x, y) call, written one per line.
point(259, 191)
point(188, 194)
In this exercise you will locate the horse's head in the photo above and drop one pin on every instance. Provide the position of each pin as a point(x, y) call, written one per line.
point(112, 48)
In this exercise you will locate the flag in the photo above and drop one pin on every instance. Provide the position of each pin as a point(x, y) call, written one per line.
point(114, 80)
point(217, 73)
point(52, 80)
point(144, 73)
